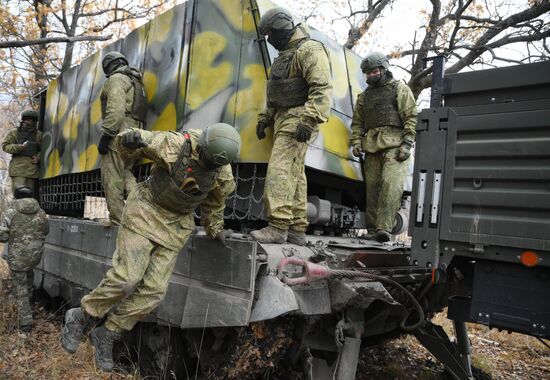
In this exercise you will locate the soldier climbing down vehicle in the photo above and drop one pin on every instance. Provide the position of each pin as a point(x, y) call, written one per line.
point(189, 170)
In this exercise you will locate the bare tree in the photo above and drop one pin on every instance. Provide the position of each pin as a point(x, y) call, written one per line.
point(469, 35)
point(358, 16)
point(468, 32)
point(41, 38)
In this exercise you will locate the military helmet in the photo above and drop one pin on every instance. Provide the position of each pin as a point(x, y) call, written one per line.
point(23, 192)
point(374, 60)
point(29, 114)
point(276, 18)
point(220, 144)
point(111, 57)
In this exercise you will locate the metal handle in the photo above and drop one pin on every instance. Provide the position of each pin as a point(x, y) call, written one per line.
point(420, 197)
point(435, 197)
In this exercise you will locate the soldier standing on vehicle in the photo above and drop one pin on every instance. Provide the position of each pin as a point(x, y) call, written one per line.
point(189, 169)
point(123, 106)
point(383, 126)
point(24, 145)
point(24, 227)
point(299, 94)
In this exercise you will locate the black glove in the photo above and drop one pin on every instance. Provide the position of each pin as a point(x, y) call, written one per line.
point(223, 235)
point(260, 129)
point(404, 150)
point(303, 132)
point(357, 150)
point(133, 140)
point(103, 146)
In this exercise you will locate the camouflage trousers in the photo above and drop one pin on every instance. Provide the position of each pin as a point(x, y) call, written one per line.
point(384, 178)
point(285, 189)
point(17, 182)
point(118, 180)
point(21, 284)
point(136, 283)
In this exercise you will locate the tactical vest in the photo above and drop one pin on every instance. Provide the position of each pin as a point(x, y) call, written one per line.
point(26, 241)
point(179, 190)
point(32, 146)
point(282, 91)
point(380, 106)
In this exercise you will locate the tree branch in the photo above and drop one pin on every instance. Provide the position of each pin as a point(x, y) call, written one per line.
point(49, 40)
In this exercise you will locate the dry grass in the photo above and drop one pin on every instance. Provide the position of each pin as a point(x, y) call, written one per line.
point(38, 354)
point(497, 354)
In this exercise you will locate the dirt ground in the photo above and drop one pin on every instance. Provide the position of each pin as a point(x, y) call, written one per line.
point(499, 355)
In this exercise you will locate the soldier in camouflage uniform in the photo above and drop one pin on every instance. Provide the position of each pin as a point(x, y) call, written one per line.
point(24, 145)
point(383, 126)
point(299, 95)
point(189, 170)
point(123, 106)
point(24, 227)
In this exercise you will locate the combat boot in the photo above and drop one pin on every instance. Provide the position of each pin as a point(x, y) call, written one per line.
point(382, 236)
point(76, 320)
point(269, 234)
point(296, 237)
point(103, 340)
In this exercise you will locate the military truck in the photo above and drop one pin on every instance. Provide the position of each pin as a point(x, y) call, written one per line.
point(237, 311)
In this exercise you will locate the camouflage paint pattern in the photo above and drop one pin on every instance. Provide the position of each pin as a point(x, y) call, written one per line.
point(202, 64)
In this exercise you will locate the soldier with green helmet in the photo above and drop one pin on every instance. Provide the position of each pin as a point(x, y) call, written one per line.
point(189, 170)
point(299, 95)
point(383, 127)
point(123, 106)
point(24, 145)
point(24, 227)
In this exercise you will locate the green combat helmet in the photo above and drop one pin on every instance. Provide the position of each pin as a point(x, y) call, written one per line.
point(29, 114)
point(374, 60)
point(108, 62)
point(220, 144)
point(276, 18)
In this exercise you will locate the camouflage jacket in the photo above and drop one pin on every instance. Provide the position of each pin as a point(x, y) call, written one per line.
point(385, 137)
point(312, 63)
point(117, 99)
point(24, 227)
point(158, 224)
point(21, 166)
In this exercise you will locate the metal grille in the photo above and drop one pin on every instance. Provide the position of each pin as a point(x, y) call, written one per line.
point(66, 194)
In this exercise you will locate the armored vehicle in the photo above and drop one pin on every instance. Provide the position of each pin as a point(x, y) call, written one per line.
point(234, 311)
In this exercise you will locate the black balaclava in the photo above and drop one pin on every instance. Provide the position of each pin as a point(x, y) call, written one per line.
point(114, 65)
point(278, 38)
point(378, 80)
